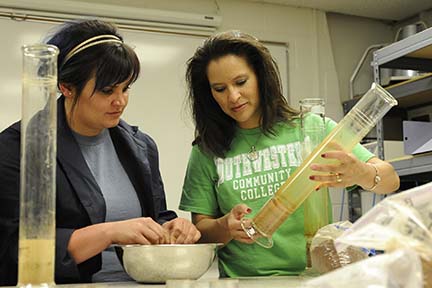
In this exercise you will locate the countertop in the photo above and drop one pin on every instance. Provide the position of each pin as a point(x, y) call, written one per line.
point(252, 282)
point(209, 280)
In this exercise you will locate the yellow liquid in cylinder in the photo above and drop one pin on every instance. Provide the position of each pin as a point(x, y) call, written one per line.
point(36, 262)
point(271, 217)
point(298, 186)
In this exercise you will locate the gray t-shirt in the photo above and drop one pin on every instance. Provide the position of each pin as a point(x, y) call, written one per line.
point(120, 196)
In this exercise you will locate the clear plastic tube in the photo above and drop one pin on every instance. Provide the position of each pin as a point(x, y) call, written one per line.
point(38, 163)
point(350, 130)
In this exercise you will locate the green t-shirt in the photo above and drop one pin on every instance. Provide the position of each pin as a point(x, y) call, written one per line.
point(213, 186)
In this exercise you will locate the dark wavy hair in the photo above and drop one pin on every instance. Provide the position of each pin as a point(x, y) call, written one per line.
point(214, 130)
point(111, 63)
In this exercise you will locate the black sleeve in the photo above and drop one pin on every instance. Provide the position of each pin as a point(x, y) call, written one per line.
point(66, 270)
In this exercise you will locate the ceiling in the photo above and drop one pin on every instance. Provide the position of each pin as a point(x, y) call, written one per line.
point(395, 10)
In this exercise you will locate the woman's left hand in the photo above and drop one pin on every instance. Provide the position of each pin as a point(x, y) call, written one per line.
point(181, 231)
point(344, 172)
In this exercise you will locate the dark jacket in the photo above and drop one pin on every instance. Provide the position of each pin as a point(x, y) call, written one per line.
point(79, 201)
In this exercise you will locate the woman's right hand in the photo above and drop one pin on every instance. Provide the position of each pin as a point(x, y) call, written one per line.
point(231, 222)
point(143, 230)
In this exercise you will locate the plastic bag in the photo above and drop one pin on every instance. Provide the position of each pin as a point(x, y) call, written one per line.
point(401, 269)
point(401, 221)
point(324, 256)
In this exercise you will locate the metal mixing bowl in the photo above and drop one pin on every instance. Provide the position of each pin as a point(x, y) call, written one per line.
point(158, 263)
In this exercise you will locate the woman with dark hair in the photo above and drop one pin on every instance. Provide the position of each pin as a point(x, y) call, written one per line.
point(247, 144)
point(109, 188)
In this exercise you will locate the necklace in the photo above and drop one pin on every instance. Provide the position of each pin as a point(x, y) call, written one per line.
point(252, 155)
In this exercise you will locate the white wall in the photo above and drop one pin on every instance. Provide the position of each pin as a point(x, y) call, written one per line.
point(301, 29)
point(277, 23)
point(350, 37)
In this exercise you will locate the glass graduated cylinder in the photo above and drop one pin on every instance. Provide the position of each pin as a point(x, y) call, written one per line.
point(289, 196)
point(38, 163)
point(350, 130)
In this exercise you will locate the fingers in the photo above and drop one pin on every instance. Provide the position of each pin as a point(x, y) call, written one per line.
point(330, 180)
point(192, 234)
point(240, 210)
point(335, 146)
point(146, 231)
point(182, 231)
point(234, 223)
point(196, 237)
point(331, 177)
point(166, 238)
point(239, 234)
point(175, 229)
point(344, 173)
point(191, 237)
point(152, 231)
point(332, 165)
point(328, 168)
point(339, 155)
point(152, 236)
point(143, 230)
point(246, 240)
point(346, 162)
point(142, 240)
point(179, 237)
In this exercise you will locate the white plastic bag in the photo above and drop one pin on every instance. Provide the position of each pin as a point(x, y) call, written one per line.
point(399, 269)
point(401, 221)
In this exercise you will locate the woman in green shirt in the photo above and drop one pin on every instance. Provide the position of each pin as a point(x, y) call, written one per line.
point(247, 144)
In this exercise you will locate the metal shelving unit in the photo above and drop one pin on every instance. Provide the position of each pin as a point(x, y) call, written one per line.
point(414, 165)
point(412, 53)
point(414, 92)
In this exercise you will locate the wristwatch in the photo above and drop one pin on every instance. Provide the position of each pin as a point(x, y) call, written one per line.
point(377, 178)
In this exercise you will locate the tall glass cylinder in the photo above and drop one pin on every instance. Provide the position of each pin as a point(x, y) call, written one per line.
point(350, 130)
point(38, 165)
point(316, 206)
point(312, 124)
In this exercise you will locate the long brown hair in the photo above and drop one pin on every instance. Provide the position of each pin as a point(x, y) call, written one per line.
point(214, 130)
